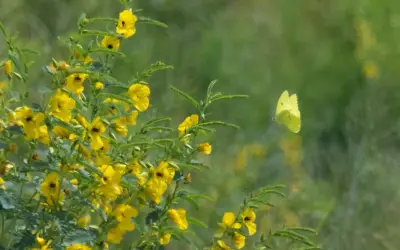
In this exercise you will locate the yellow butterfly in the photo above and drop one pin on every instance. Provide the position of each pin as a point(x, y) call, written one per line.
point(287, 112)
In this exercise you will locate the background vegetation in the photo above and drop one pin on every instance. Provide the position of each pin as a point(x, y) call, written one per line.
point(340, 57)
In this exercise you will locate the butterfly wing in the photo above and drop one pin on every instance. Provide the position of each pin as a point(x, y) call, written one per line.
point(295, 117)
point(283, 103)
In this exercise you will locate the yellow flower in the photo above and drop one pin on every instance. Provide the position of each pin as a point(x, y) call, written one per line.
point(2, 184)
point(249, 217)
point(61, 105)
point(74, 83)
point(102, 159)
point(96, 129)
point(84, 220)
point(78, 247)
point(85, 59)
point(165, 239)
point(164, 172)
point(114, 236)
point(42, 243)
point(123, 212)
point(178, 217)
point(99, 85)
point(50, 188)
point(8, 67)
point(134, 168)
point(126, 23)
point(221, 245)
point(110, 186)
point(139, 93)
point(205, 148)
point(82, 121)
point(189, 122)
point(228, 221)
point(44, 135)
point(122, 122)
point(239, 240)
point(110, 42)
point(31, 122)
point(74, 182)
point(155, 188)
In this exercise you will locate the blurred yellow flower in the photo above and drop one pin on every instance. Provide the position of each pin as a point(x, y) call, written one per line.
point(291, 148)
point(114, 236)
point(165, 239)
point(84, 220)
point(189, 122)
point(221, 245)
point(248, 218)
point(370, 70)
point(78, 247)
point(2, 184)
point(74, 182)
point(42, 243)
point(44, 135)
point(239, 240)
point(8, 67)
point(178, 217)
point(99, 86)
point(205, 148)
point(139, 93)
point(61, 105)
point(110, 42)
point(74, 83)
point(50, 189)
point(126, 23)
point(96, 129)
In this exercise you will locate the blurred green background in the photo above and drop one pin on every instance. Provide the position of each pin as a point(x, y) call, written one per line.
point(341, 58)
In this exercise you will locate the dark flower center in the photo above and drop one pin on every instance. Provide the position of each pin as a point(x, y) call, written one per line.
point(123, 23)
point(77, 78)
point(52, 185)
point(159, 174)
point(105, 178)
point(95, 130)
point(110, 46)
point(247, 218)
point(29, 119)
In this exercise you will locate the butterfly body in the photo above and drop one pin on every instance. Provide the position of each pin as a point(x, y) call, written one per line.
point(288, 113)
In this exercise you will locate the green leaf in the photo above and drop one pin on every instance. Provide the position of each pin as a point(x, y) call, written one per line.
point(293, 236)
point(107, 51)
point(217, 123)
point(157, 120)
point(142, 19)
point(78, 236)
point(6, 201)
point(224, 97)
point(210, 87)
point(185, 95)
point(191, 200)
point(157, 66)
point(196, 222)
